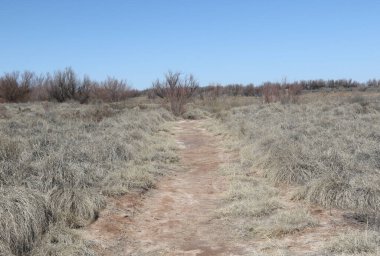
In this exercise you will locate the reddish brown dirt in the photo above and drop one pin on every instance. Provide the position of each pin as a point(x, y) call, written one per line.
point(178, 217)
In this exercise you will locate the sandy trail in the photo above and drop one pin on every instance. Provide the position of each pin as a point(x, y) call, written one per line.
point(178, 217)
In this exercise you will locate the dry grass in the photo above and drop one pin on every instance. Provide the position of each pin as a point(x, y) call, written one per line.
point(217, 105)
point(355, 242)
point(329, 147)
point(24, 218)
point(76, 207)
point(326, 148)
point(194, 113)
point(287, 222)
point(62, 241)
point(68, 157)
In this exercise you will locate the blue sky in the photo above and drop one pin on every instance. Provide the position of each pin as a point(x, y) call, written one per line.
point(219, 41)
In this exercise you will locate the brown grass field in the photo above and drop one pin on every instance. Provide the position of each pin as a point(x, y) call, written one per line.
point(286, 178)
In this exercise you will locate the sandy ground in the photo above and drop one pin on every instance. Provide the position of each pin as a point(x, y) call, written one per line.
point(178, 216)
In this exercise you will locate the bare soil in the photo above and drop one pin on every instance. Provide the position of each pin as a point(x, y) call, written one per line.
point(178, 216)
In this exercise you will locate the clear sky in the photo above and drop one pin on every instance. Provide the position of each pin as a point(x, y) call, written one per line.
point(219, 41)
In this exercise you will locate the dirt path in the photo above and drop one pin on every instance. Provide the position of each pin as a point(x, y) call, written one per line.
point(178, 217)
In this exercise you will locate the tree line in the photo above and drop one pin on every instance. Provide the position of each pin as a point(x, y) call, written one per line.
point(65, 85)
point(61, 86)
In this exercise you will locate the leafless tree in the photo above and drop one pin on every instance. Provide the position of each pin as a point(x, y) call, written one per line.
point(176, 89)
point(114, 89)
point(63, 85)
point(15, 87)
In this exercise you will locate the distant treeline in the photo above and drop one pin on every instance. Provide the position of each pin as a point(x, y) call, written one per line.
point(62, 86)
point(297, 86)
point(66, 85)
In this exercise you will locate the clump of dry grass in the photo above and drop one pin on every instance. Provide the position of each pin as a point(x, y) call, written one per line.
point(24, 218)
point(9, 149)
point(136, 178)
point(250, 208)
point(62, 241)
point(287, 222)
point(3, 111)
point(355, 242)
point(76, 207)
point(253, 207)
point(194, 113)
point(335, 191)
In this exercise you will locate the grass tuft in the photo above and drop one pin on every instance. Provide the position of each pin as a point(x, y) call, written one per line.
point(24, 218)
point(287, 222)
point(62, 241)
point(355, 242)
point(76, 207)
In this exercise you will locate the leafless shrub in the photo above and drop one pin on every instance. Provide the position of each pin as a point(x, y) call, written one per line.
point(290, 93)
point(112, 90)
point(40, 89)
point(63, 85)
point(15, 87)
point(176, 90)
point(271, 92)
point(85, 89)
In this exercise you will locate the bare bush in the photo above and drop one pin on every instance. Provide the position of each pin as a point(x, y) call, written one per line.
point(63, 85)
point(271, 92)
point(115, 90)
point(284, 93)
point(176, 90)
point(84, 90)
point(15, 87)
